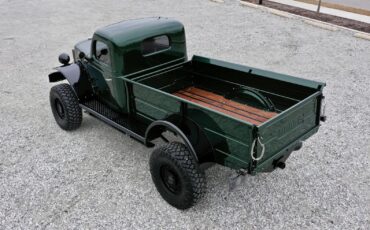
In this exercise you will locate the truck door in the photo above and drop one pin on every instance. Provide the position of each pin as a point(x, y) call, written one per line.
point(100, 70)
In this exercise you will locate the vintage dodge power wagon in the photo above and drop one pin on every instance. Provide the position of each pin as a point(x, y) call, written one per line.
point(135, 76)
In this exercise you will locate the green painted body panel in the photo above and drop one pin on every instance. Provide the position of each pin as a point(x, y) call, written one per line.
point(126, 33)
point(290, 126)
point(142, 88)
point(265, 165)
point(260, 72)
point(153, 104)
point(230, 138)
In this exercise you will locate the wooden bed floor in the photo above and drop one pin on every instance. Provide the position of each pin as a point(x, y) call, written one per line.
point(219, 103)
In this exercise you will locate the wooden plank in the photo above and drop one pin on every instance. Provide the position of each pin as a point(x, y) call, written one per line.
point(223, 106)
point(219, 109)
point(219, 103)
point(219, 98)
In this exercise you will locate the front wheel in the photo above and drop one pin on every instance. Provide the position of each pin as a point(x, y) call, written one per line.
point(177, 175)
point(65, 107)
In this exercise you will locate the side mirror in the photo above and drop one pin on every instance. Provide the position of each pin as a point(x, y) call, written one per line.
point(81, 55)
point(104, 52)
point(64, 58)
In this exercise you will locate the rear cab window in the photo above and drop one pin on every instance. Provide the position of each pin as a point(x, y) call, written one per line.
point(155, 44)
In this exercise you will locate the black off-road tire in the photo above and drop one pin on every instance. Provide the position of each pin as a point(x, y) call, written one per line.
point(65, 107)
point(190, 182)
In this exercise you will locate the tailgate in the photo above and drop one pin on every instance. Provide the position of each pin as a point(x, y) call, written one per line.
point(283, 132)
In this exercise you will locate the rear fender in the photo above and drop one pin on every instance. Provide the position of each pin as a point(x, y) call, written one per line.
point(76, 77)
point(192, 135)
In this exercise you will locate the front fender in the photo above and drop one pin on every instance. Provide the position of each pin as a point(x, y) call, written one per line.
point(76, 77)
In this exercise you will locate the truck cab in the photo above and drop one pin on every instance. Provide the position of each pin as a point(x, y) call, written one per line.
point(128, 47)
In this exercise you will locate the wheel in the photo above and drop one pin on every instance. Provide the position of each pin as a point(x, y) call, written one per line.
point(177, 175)
point(65, 107)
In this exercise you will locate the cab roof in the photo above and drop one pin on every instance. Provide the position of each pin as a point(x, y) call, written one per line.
point(132, 31)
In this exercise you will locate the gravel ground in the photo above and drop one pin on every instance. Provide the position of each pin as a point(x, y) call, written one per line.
point(96, 177)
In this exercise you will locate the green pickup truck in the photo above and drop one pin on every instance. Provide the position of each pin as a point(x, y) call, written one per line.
point(135, 76)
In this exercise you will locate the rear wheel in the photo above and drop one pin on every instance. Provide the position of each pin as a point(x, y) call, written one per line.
point(177, 175)
point(65, 107)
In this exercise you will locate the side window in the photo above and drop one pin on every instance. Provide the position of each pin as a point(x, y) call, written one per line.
point(155, 44)
point(102, 52)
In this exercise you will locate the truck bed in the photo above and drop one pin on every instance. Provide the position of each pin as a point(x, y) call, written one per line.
point(202, 90)
point(210, 85)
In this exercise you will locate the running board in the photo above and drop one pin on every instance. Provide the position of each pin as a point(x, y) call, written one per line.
point(112, 118)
